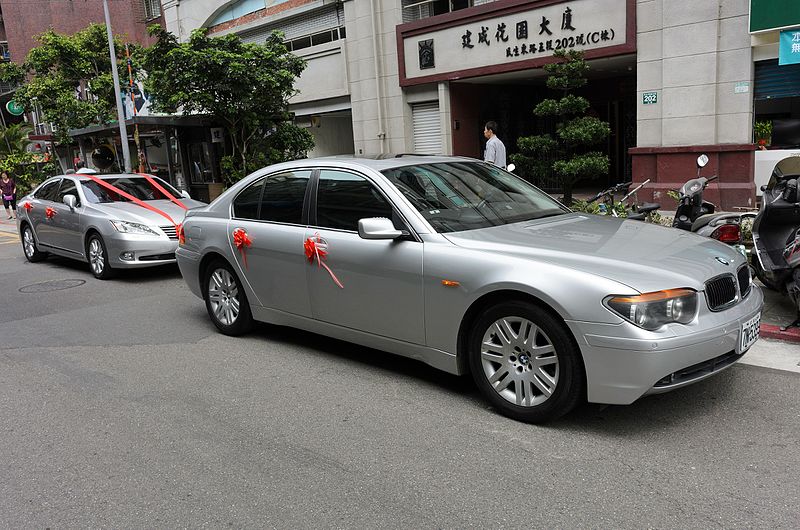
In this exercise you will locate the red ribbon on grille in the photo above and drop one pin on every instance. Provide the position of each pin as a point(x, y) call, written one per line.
point(49, 212)
point(312, 251)
point(241, 240)
point(163, 190)
point(133, 199)
point(28, 206)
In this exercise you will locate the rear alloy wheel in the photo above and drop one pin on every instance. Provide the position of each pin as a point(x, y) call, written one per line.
point(32, 252)
point(98, 258)
point(226, 301)
point(525, 362)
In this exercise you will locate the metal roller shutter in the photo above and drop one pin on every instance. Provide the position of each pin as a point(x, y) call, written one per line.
point(773, 81)
point(427, 130)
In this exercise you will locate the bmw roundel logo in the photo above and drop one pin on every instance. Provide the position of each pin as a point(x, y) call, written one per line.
point(722, 260)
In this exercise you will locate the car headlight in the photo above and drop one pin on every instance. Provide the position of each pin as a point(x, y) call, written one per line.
point(652, 310)
point(127, 227)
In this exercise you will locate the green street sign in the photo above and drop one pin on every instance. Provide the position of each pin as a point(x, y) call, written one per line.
point(768, 15)
point(15, 108)
point(649, 98)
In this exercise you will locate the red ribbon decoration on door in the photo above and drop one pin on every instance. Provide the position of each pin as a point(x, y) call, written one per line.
point(49, 212)
point(133, 199)
point(28, 206)
point(241, 240)
point(312, 251)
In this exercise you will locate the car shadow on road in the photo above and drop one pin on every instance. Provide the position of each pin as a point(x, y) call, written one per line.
point(143, 275)
point(656, 413)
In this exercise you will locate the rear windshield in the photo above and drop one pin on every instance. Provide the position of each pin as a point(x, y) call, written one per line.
point(139, 187)
point(457, 196)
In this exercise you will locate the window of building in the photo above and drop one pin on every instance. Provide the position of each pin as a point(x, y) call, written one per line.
point(152, 9)
point(419, 9)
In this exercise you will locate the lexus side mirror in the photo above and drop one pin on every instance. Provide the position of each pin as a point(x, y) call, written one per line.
point(185, 194)
point(510, 168)
point(70, 201)
point(377, 228)
point(702, 161)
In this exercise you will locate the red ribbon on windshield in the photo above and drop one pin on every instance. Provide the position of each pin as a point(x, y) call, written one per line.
point(161, 188)
point(312, 251)
point(133, 199)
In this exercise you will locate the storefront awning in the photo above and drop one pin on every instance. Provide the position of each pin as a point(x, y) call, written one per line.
point(144, 123)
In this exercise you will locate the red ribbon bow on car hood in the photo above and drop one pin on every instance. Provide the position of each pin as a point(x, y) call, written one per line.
point(49, 212)
point(312, 250)
point(241, 240)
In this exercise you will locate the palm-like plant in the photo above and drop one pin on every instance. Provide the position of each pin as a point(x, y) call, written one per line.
point(14, 138)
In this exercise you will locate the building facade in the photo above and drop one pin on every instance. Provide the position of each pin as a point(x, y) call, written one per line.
point(674, 78)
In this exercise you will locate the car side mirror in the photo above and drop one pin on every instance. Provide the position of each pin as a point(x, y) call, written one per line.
point(510, 168)
point(185, 194)
point(70, 201)
point(377, 228)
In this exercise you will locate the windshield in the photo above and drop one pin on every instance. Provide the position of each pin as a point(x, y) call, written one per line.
point(458, 196)
point(137, 186)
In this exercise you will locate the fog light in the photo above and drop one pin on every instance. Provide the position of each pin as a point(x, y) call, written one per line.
point(126, 256)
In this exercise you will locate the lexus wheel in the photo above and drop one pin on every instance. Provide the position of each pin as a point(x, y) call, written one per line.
point(525, 362)
point(226, 301)
point(98, 258)
point(29, 247)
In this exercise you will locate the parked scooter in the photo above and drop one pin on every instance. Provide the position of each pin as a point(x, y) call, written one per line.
point(695, 214)
point(776, 233)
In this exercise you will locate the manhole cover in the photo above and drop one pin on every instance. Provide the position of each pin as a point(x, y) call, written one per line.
point(52, 285)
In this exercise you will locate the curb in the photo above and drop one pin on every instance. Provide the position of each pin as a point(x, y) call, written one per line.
point(768, 331)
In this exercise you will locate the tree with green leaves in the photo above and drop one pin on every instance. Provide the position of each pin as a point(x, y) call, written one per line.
point(245, 86)
point(14, 138)
point(567, 154)
point(69, 77)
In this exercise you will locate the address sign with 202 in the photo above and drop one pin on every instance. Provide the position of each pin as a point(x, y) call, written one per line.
point(535, 36)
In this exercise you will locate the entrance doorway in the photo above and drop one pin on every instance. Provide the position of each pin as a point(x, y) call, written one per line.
point(509, 100)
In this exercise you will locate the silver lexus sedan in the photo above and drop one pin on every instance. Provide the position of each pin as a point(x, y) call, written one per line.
point(470, 269)
point(76, 217)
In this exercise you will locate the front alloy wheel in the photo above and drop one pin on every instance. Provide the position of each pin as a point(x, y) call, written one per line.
point(226, 301)
point(98, 258)
point(32, 253)
point(525, 363)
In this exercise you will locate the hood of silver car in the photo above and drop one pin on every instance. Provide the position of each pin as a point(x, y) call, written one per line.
point(128, 211)
point(643, 256)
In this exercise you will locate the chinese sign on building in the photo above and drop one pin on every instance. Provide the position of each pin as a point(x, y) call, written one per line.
point(479, 43)
point(789, 52)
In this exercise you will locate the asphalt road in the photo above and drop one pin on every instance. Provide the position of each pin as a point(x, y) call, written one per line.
point(120, 406)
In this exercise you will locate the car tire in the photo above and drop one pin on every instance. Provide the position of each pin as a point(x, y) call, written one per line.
point(525, 362)
point(226, 301)
point(29, 246)
point(97, 255)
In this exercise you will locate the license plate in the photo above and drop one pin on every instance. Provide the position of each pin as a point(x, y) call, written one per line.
point(749, 333)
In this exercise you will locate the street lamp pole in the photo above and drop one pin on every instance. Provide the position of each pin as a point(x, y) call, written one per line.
point(126, 153)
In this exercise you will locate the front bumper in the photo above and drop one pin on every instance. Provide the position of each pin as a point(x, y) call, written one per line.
point(624, 363)
point(146, 251)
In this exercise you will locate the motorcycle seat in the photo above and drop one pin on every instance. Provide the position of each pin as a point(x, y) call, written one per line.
point(647, 207)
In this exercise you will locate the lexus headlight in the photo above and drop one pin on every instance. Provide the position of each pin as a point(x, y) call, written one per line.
point(652, 310)
point(127, 227)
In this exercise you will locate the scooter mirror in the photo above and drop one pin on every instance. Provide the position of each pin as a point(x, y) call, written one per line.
point(763, 187)
point(702, 160)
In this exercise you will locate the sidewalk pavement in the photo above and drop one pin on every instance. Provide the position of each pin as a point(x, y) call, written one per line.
point(778, 309)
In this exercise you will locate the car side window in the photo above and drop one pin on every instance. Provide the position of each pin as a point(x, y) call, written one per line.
point(245, 205)
point(48, 191)
point(343, 198)
point(283, 197)
point(68, 187)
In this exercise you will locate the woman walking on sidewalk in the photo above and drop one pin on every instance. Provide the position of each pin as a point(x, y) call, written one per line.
point(8, 188)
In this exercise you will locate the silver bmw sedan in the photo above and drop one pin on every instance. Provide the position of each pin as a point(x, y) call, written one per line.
point(470, 269)
point(77, 217)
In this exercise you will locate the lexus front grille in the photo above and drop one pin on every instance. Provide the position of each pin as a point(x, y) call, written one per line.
point(721, 292)
point(170, 231)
